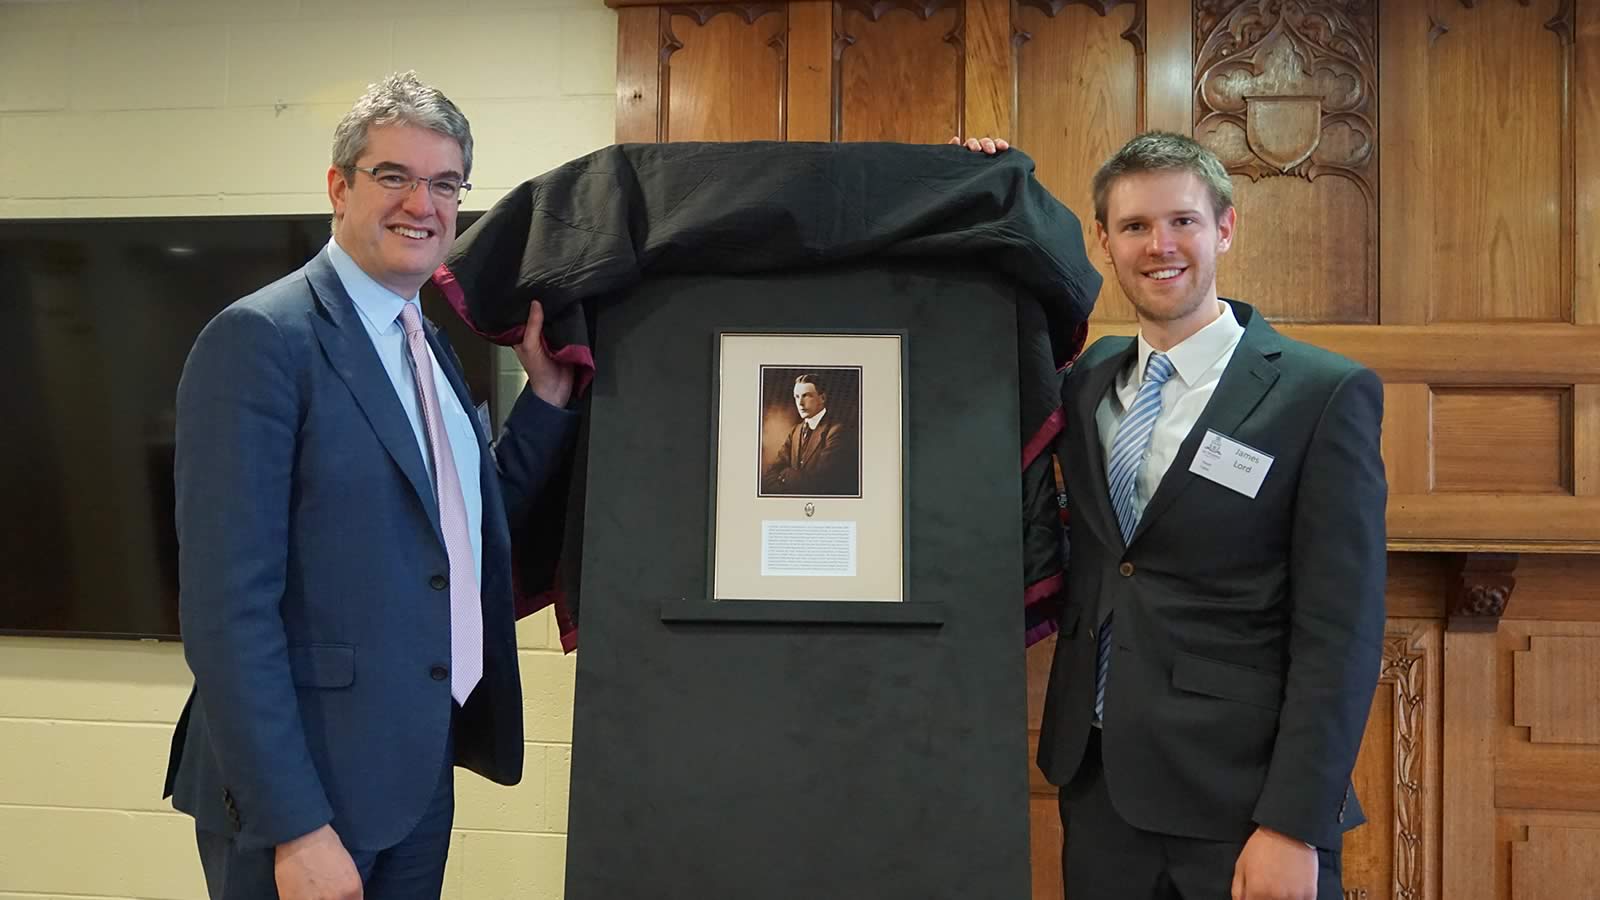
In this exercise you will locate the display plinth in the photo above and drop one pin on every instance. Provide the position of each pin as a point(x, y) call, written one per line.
point(866, 749)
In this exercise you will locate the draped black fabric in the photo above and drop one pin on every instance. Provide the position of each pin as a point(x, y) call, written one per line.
point(595, 227)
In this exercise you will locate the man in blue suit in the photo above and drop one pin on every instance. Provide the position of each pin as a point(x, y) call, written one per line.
point(346, 586)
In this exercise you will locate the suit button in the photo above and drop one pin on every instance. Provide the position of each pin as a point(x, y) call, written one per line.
point(439, 673)
point(1126, 569)
point(438, 582)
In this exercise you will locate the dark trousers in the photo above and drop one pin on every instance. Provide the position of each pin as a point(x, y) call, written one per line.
point(1105, 858)
point(410, 870)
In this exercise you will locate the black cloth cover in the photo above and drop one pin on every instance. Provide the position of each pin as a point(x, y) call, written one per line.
point(595, 227)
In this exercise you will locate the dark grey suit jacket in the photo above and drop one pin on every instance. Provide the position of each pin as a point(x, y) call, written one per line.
point(1248, 633)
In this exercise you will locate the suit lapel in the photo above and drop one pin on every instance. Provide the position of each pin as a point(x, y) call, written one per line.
point(1249, 376)
point(1097, 382)
point(350, 352)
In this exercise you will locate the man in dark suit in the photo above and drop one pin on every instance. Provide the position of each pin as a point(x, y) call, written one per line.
point(1221, 641)
point(346, 596)
point(819, 456)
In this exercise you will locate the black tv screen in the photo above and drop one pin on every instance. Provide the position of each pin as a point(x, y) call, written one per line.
point(99, 315)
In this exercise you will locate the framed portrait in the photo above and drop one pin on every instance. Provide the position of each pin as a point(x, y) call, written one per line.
point(808, 468)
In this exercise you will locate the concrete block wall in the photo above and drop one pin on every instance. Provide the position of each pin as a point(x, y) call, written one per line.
point(224, 107)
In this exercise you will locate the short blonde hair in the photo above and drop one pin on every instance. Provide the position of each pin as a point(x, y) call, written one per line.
point(1164, 151)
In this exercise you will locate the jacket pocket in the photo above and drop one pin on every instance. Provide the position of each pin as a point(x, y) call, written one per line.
point(1229, 681)
point(322, 665)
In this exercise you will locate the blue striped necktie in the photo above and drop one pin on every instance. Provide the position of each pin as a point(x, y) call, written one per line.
point(1128, 452)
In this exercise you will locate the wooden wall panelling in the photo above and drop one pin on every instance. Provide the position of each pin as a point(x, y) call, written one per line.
point(1584, 90)
point(1405, 141)
point(1498, 185)
point(1397, 772)
point(809, 104)
point(1512, 440)
point(1586, 440)
point(1539, 523)
point(1169, 66)
point(1408, 437)
point(1557, 588)
point(899, 70)
point(1044, 814)
point(1516, 830)
point(1562, 24)
point(724, 69)
point(1468, 834)
point(989, 93)
point(1079, 70)
point(1548, 742)
point(1458, 354)
point(1556, 861)
point(1418, 584)
point(1286, 96)
point(638, 74)
point(1556, 689)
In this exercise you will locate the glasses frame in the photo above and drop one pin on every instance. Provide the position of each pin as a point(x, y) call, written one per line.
point(414, 180)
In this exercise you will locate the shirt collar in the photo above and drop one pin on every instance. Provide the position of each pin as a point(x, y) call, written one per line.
point(1194, 356)
point(815, 420)
point(376, 303)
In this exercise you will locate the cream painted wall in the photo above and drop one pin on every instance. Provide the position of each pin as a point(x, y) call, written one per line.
point(190, 107)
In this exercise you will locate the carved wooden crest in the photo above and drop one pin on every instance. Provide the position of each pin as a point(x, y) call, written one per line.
point(1286, 87)
point(1283, 131)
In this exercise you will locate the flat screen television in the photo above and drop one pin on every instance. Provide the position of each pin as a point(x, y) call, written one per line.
point(98, 317)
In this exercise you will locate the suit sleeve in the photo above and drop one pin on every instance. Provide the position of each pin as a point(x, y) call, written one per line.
point(1336, 570)
point(238, 412)
point(533, 445)
point(772, 479)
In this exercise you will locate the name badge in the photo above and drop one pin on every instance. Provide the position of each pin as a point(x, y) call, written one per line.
point(1231, 464)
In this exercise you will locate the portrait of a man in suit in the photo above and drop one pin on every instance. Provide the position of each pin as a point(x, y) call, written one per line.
point(820, 454)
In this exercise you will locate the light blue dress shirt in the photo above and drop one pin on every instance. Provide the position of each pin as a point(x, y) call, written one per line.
point(380, 313)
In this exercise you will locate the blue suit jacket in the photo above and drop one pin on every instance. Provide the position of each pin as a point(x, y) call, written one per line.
point(314, 598)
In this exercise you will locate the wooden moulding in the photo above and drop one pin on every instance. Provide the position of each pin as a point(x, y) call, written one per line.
point(1460, 354)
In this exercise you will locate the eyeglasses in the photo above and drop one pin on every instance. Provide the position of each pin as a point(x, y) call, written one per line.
point(444, 188)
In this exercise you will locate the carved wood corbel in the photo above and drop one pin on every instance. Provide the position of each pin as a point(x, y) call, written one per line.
point(1481, 591)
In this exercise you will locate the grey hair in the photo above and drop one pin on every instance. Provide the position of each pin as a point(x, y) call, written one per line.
point(1163, 151)
point(404, 99)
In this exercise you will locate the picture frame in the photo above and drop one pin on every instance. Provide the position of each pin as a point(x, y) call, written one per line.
point(808, 466)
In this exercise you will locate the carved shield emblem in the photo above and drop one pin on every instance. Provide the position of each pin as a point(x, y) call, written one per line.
point(1283, 131)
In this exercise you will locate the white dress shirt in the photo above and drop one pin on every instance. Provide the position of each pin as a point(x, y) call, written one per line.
point(1199, 361)
point(379, 309)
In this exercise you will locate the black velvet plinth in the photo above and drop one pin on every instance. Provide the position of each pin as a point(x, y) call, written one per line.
point(783, 760)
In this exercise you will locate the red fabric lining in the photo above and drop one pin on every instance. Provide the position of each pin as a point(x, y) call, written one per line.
point(579, 357)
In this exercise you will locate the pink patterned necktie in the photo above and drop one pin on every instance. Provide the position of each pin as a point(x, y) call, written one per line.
point(466, 614)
